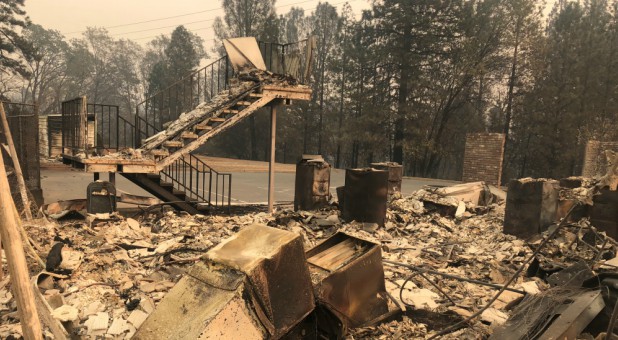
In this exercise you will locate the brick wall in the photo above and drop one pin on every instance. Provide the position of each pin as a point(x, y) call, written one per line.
point(483, 158)
point(595, 162)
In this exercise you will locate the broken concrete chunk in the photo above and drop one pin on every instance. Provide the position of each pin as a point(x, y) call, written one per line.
point(65, 313)
point(421, 298)
point(166, 245)
point(474, 193)
point(97, 323)
point(119, 326)
point(494, 316)
point(133, 224)
point(137, 317)
point(530, 287)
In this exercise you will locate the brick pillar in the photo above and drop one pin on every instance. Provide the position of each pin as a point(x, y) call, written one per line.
point(595, 163)
point(484, 154)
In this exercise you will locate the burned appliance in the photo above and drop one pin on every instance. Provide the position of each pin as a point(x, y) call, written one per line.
point(254, 285)
point(348, 281)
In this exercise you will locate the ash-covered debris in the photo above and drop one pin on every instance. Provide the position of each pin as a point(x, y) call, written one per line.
point(119, 270)
point(268, 78)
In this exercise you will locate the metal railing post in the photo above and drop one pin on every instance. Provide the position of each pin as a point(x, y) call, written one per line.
point(229, 194)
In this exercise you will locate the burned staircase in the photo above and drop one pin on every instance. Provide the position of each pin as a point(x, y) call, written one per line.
point(154, 151)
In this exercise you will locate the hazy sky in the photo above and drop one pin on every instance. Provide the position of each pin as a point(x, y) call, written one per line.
point(141, 20)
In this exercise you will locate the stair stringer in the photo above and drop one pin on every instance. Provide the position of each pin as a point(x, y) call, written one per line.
point(263, 101)
point(160, 192)
point(156, 140)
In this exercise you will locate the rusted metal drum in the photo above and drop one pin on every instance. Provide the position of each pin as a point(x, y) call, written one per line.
point(312, 186)
point(395, 175)
point(365, 193)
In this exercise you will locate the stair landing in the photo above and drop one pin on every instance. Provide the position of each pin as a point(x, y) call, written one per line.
point(111, 164)
point(147, 165)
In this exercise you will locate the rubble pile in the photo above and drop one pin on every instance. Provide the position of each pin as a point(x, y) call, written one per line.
point(114, 271)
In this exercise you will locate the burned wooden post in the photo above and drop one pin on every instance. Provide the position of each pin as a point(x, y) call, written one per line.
point(312, 183)
point(531, 206)
point(18, 267)
point(271, 163)
point(365, 195)
point(395, 176)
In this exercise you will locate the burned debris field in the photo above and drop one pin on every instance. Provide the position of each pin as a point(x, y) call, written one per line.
point(439, 257)
point(384, 169)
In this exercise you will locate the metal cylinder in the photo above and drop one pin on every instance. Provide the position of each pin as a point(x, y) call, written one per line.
point(312, 184)
point(365, 194)
point(395, 175)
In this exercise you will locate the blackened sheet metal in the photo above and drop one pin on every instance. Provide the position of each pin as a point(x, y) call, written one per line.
point(576, 317)
point(557, 313)
point(366, 193)
point(348, 278)
point(573, 276)
point(244, 54)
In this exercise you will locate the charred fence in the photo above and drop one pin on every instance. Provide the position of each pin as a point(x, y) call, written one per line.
point(23, 122)
point(93, 128)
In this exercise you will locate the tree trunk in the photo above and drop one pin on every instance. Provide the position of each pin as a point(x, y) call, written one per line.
point(401, 114)
point(512, 78)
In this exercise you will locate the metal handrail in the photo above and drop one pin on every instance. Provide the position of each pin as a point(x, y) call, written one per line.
point(188, 76)
point(190, 177)
point(200, 86)
point(183, 95)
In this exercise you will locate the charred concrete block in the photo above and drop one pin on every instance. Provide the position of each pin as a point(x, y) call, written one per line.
point(531, 206)
point(312, 185)
point(254, 285)
point(565, 205)
point(604, 212)
point(365, 193)
point(348, 279)
point(395, 175)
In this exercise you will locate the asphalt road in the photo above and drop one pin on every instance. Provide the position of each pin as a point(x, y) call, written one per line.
point(61, 183)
